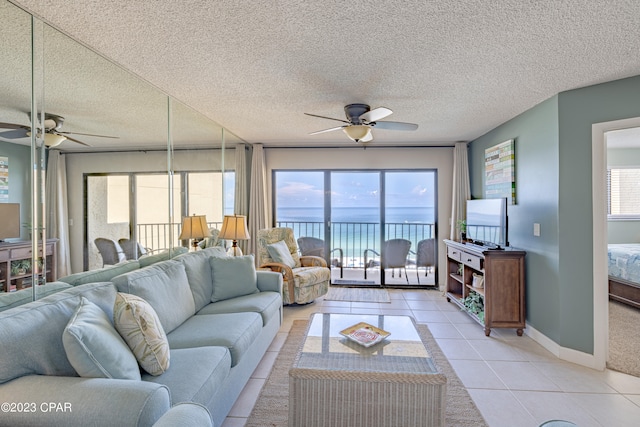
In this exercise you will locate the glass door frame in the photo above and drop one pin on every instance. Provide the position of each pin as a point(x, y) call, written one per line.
point(327, 217)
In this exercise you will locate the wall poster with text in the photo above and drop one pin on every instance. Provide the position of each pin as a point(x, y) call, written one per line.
point(4, 179)
point(499, 172)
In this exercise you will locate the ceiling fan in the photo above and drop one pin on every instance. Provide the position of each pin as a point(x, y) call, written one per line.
point(53, 134)
point(361, 119)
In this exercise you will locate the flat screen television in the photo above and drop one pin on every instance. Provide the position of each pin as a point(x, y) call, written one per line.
point(487, 222)
point(9, 221)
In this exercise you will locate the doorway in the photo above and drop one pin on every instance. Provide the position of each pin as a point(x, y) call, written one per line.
point(600, 236)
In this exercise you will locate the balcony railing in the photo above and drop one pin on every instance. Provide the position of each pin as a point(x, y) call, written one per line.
point(355, 237)
point(352, 237)
point(157, 236)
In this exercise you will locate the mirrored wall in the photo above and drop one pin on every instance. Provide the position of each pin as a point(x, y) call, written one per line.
point(91, 152)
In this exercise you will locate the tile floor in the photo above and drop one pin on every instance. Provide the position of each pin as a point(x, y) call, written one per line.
point(513, 380)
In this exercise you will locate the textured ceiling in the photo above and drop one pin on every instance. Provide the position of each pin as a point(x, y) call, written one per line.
point(456, 68)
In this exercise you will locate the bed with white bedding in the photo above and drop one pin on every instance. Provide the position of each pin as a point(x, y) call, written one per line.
point(624, 273)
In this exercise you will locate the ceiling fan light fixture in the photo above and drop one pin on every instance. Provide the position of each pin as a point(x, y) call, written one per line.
point(51, 139)
point(357, 132)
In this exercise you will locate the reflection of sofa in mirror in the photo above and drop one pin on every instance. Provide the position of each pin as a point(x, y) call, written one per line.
point(213, 346)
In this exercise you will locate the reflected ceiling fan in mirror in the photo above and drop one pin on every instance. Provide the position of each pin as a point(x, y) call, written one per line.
point(53, 136)
point(361, 119)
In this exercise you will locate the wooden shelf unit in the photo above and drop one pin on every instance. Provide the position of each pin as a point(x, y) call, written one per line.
point(503, 293)
point(16, 251)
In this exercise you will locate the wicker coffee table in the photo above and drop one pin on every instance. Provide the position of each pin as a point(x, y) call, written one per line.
point(337, 382)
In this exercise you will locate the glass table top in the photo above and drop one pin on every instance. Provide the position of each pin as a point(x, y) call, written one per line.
point(324, 348)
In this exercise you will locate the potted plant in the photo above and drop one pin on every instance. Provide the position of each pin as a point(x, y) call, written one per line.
point(20, 267)
point(462, 228)
point(473, 303)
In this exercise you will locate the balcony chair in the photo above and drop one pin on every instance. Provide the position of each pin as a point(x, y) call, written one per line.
point(132, 249)
point(305, 277)
point(394, 255)
point(110, 251)
point(312, 246)
point(425, 256)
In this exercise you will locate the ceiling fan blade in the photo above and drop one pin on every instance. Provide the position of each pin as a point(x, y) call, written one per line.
point(87, 134)
point(329, 118)
point(75, 140)
point(368, 137)
point(376, 114)
point(327, 130)
point(394, 125)
point(11, 126)
point(14, 134)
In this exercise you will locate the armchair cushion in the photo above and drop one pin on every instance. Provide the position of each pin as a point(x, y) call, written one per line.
point(273, 235)
point(233, 277)
point(94, 348)
point(279, 252)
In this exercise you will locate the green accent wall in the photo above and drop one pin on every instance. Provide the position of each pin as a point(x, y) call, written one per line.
point(553, 142)
point(536, 150)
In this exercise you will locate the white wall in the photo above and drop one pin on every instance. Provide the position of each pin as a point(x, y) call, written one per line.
point(440, 159)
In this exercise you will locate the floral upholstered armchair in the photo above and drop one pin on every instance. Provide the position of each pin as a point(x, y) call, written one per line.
point(305, 277)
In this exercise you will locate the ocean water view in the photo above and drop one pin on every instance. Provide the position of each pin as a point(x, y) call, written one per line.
point(356, 229)
point(358, 214)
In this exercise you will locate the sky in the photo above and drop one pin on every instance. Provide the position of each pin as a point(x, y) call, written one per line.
point(355, 189)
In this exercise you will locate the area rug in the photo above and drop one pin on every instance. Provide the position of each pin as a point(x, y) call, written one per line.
point(357, 294)
point(272, 407)
point(624, 338)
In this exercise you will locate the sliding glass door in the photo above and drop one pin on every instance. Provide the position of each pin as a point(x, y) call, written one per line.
point(375, 227)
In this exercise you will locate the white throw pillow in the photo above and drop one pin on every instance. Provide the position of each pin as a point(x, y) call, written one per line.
point(279, 252)
point(138, 324)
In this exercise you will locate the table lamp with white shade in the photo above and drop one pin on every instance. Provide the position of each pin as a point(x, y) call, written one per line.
point(234, 227)
point(194, 227)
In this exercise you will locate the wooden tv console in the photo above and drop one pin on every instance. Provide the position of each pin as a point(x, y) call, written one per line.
point(11, 252)
point(503, 293)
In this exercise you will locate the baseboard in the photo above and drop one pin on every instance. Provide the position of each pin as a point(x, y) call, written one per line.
point(563, 353)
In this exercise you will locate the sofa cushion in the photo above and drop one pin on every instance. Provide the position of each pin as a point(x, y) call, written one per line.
point(279, 252)
point(104, 274)
point(31, 334)
point(235, 331)
point(233, 277)
point(94, 348)
point(195, 373)
point(14, 299)
point(267, 304)
point(138, 324)
point(147, 260)
point(196, 264)
point(165, 286)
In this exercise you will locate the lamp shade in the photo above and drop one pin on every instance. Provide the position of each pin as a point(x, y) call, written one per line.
point(234, 227)
point(194, 227)
point(357, 132)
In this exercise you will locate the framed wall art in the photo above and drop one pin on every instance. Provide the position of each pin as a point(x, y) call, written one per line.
point(499, 171)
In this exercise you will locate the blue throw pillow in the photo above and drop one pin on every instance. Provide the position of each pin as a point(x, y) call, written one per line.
point(94, 348)
point(233, 277)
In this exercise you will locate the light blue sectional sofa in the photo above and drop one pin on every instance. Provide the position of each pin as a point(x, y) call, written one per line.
point(217, 325)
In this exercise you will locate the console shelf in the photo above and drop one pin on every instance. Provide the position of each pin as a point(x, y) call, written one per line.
point(16, 251)
point(503, 293)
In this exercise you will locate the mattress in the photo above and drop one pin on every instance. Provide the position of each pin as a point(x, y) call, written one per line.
point(624, 261)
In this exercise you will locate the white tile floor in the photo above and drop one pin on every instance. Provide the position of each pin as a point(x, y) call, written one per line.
point(513, 380)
